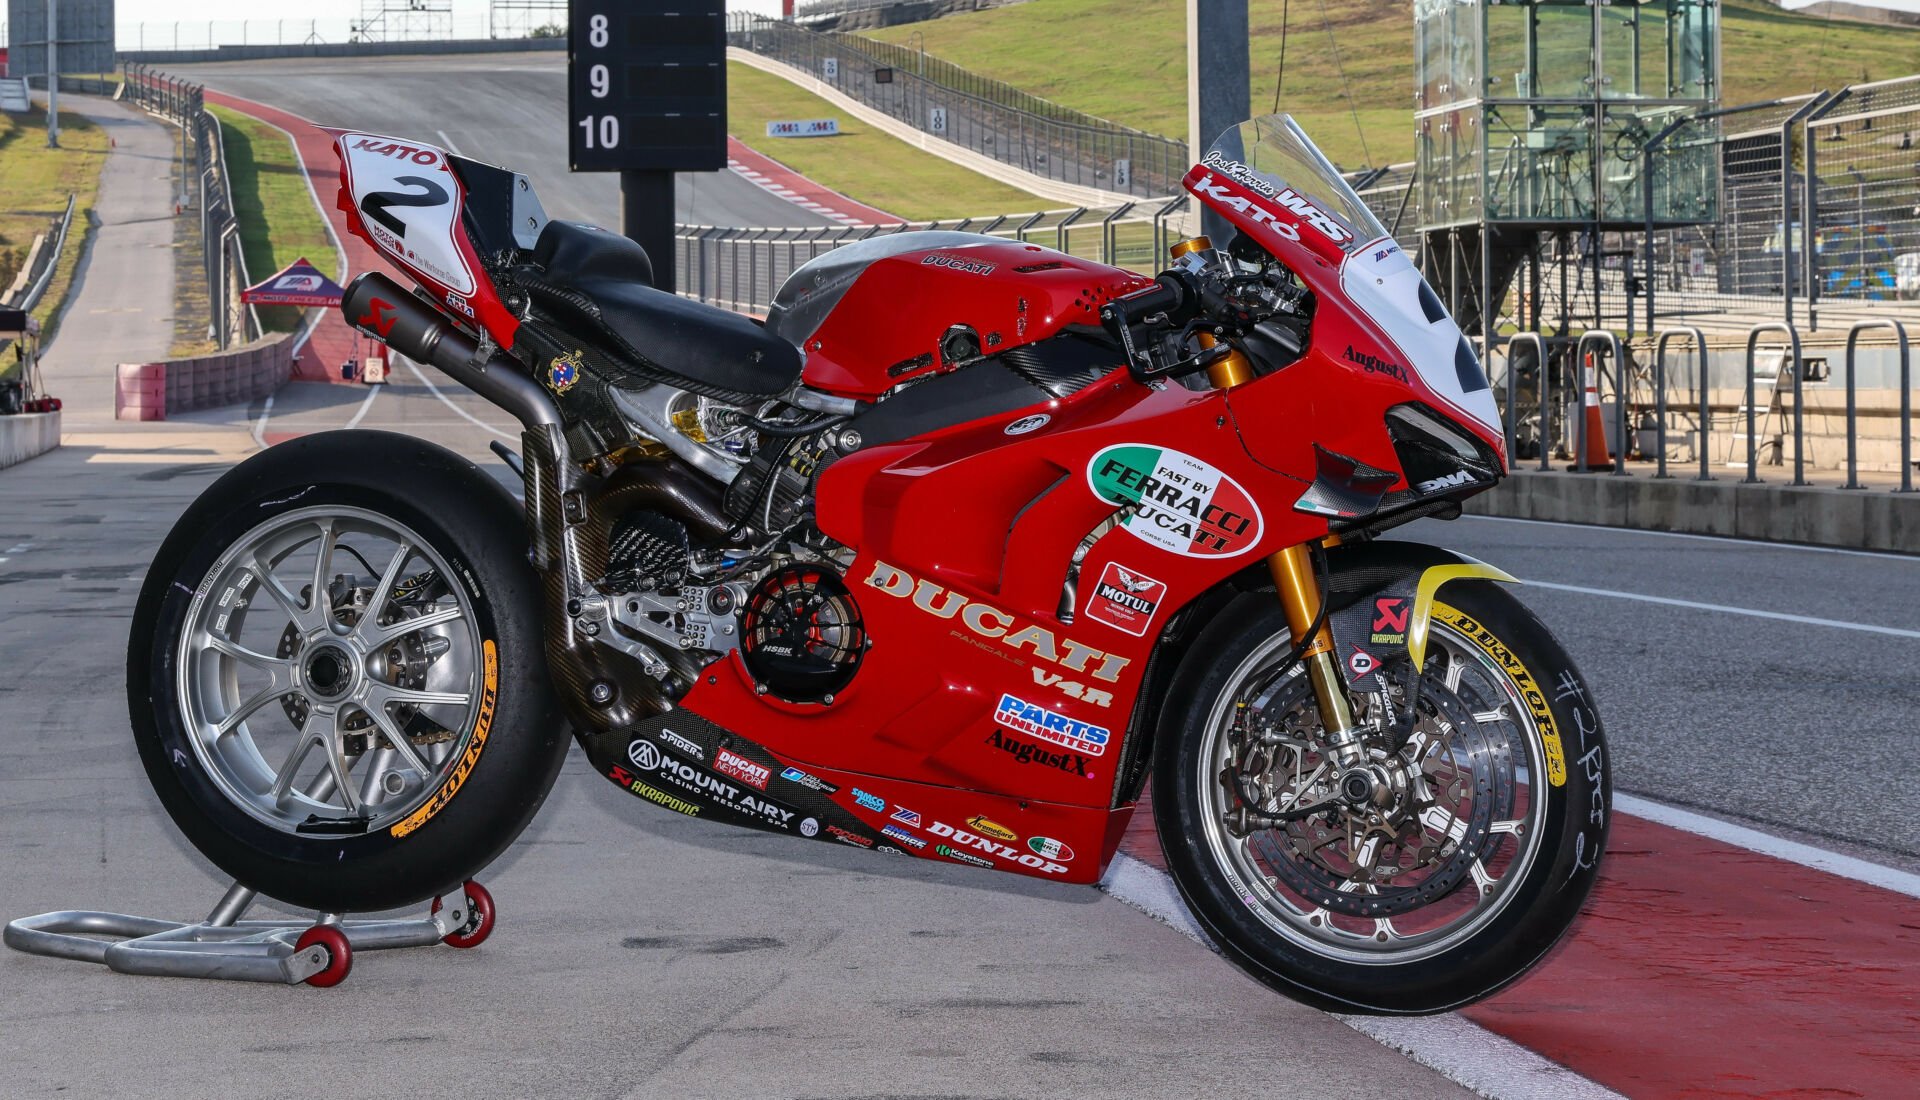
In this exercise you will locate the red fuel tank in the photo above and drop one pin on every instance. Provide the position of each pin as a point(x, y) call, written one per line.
point(891, 309)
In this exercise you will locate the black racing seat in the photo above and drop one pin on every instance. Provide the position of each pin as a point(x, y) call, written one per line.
point(678, 334)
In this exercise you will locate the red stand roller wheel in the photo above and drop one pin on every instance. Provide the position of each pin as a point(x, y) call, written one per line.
point(479, 922)
point(339, 954)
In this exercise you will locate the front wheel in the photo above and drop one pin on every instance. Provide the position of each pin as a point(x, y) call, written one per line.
point(1495, 811)
point(336, 674)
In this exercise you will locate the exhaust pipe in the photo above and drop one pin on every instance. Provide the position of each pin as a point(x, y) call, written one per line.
point(377, 306)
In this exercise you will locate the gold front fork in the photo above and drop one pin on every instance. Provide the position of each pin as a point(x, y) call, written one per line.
point(1298, 586)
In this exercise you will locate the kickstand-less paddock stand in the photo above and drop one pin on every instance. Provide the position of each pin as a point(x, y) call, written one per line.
point(226, 947)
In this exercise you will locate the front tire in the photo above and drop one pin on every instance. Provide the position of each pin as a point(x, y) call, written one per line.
point(1443, 898)
point(335, 673)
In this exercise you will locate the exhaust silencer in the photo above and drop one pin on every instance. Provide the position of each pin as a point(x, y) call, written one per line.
point(378, 307)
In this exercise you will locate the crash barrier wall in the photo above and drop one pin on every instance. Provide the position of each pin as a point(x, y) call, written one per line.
point(183, 104)
point(263, 50)
point(1767, 406)
point(78, 85)
point(25, 435)
point(741, 269)
point(152, 391)
point(986, 116)
point(849, 15)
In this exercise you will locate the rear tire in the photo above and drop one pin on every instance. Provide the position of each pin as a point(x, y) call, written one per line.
point(254, 704)
point(1274, 899)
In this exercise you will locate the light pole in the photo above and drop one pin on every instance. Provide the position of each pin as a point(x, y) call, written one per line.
point(53, 76)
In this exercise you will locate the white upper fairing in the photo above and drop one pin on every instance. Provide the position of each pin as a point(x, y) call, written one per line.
point(409, 200)
point(1383, 284)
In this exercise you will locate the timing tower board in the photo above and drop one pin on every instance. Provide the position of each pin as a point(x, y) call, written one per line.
point(647, 86)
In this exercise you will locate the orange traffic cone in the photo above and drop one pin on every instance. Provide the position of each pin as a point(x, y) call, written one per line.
point(1596, 457)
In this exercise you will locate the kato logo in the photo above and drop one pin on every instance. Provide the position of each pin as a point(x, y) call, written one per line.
point(1175, 501)
point(1037, 721)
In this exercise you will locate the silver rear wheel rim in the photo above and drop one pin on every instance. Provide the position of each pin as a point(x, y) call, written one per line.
point(1500, 715)
point(305, 713)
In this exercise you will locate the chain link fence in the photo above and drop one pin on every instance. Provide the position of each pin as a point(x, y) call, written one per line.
point(183, 104)
point(991, 118)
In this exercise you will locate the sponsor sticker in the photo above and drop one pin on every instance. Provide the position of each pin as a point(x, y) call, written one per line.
point(963, 857)
point(1034, 720)
point(1373, 364)
point(1176, 502)
point(986, 826)
point(987, 621)
point(956, 263)
point(739, 767)
point(963, 839)
point(1050, 848)
point(1362, 663)
point(808, 780)
point(1390, 615)
point(845, 837)
point(895, 832)
point(683, 744)
point(906, 817)
point(482, 725)
point(809, 826)
point(1073, 763)
point(1530, 690)
point(1125, 599)
point(870, 801)
point(1029, 424)
point(564, 370)
point(647, 756)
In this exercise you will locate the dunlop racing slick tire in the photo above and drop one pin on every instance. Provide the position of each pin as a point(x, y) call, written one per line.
point(479, 716)
point(1539, 844)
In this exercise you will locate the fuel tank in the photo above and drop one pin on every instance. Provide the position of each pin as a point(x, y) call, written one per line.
point(888, 310)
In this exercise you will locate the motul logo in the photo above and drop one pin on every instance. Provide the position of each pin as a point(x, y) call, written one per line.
point(963, 839)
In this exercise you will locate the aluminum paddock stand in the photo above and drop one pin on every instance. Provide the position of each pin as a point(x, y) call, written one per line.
point(224, 946)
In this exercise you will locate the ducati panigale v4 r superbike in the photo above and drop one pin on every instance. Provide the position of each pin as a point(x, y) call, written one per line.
point(951, 557)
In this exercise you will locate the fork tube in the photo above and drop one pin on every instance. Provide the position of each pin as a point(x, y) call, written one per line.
point(1299, 591)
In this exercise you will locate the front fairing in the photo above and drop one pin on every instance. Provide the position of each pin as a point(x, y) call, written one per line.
point(1377, 322)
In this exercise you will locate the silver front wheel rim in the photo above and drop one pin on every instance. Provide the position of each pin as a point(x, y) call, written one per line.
point(327, 672)
point(1469, 828)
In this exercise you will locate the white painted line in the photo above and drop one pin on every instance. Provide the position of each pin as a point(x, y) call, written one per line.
point(1750, 612)
point(1488, 1063)
point(1766, 844)
point(1452, 1045)
point(435, 390)
point(372, 392)
point(260, 425)
point(1883, 554)
point(451, 147)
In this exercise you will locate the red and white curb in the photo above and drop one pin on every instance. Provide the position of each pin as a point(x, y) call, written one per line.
point(1713, 960)
point(782, 182)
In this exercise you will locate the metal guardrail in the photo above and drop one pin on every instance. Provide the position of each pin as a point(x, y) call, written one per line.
point(985, 115)
point(40, 272)
point(183, 103)
point(1796, 365)
point(1660, 395)
point(1906, 403)
point(742, 269)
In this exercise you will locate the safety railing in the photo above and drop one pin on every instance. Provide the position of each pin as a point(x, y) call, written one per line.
point(39, 272)
point(742, 269)
point(1906, 403)
point(1660, 376)
point(1539, 346)
point(1607, 341)
point(183, 103)
point(1795, 363)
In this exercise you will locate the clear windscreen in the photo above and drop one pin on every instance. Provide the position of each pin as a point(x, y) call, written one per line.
point(1275, 158)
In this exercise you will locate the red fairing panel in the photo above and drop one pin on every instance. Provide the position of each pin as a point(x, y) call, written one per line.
point(887, 328)
point(977, 696)
point(403, 199)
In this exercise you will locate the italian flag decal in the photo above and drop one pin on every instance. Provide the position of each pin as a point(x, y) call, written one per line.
point(1178, 502)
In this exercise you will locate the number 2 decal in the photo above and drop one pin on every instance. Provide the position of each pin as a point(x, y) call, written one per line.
point(375, 204)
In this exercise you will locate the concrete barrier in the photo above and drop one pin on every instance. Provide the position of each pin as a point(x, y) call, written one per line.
point(344, 49)
point(1871, 519)
point(27, 435)
point(149, 391)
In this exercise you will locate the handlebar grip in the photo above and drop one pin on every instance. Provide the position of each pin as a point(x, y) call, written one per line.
point(1165, 294)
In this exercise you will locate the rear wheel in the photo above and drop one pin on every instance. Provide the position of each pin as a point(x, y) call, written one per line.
point(337, 685)
point(1469, 860)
